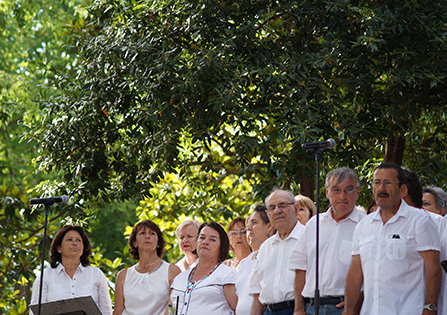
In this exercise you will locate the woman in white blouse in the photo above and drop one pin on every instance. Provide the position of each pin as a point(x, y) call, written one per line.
point(238, 242)
point(70, 275)
point(259, 229)
point(208, 288)
point(144, 288)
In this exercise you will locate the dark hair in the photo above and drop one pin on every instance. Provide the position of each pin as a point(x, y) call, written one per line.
point(414, 187)
point(224, 240)
point(371, 205)
point(133, 236)
point(261, 210)
point(56, 257)
point(394, 166)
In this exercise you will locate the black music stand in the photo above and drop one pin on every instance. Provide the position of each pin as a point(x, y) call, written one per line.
point(77, 306)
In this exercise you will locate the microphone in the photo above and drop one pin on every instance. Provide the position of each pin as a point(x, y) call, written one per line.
point(328, 144)
point(49, 201)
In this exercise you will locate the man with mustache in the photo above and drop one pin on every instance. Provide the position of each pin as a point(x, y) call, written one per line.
point(395, 253)
point(271, 283)
point(337, 226)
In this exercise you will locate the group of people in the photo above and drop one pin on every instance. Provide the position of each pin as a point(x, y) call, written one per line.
point(386, 262)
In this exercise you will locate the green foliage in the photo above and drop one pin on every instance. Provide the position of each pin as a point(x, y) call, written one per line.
point(20, 242)
point(187, 87)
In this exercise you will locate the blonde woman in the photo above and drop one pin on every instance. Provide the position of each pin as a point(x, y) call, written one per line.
point(306, 208)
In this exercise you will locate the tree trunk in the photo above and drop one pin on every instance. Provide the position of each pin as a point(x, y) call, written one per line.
point(394, 147)
point(307, 187)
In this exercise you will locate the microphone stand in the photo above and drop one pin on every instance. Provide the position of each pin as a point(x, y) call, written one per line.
point(318, 156)
point(47, 211)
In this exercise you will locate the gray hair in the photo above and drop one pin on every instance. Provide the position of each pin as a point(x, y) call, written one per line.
point(186, 223)
point(290, 195)
point(341, 174)
point(439, 194)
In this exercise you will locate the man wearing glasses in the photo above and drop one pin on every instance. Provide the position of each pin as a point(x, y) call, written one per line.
point(395, 253)
point(337, 226)
point(271, 283)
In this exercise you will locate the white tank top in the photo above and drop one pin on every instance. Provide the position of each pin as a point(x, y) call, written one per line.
point(146, 293)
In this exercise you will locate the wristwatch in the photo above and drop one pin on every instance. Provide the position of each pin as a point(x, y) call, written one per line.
point(430, 307)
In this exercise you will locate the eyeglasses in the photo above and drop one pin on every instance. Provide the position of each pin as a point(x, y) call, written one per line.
point(348, 190)
point(235, 233)
point(281, 206)
point(386, 183)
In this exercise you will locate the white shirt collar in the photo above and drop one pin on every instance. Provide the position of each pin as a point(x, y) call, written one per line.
point(60, 268)
point(296, 233)
point(401, 212)
point(354, 216)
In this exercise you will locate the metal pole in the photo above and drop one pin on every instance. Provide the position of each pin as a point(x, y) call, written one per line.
point(47, 211)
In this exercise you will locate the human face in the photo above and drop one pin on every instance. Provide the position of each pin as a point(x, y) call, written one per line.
point(257, 230)
point(238, 240)
point(429, 204)
point(388, 193)
point(187, 238)
point(208, 244)
point(283, 220)
point(72, 245)
point(342, 203)
point(146, 240)
point(303, 214)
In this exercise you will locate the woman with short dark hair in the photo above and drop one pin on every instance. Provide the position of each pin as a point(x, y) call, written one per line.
point(144, 287)
point(208, 288)
point(70, 275)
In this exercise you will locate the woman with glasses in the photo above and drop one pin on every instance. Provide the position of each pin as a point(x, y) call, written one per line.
point(238, 242)
point(208, 288)
point(258, 229)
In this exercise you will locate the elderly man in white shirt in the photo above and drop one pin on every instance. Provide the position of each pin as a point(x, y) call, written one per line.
point(271, 283)
point(395, 253)
point(337, 226)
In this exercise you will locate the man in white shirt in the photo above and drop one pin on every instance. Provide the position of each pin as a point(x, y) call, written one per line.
point(434, 200)
point(395, 253)
point(335, 242)
point(442, 301)
point(271, 283)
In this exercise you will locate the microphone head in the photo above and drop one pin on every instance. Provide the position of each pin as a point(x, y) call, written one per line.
point(65, 199)
point(332, 143)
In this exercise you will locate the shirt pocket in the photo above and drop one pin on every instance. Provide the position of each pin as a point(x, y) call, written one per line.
point(344, 254)
point(366, 247)
point(396, 247)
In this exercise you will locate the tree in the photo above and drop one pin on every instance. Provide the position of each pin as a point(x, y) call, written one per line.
point(157, 85)
point(29, 44)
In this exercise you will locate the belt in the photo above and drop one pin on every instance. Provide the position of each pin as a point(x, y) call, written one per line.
point(280, 306)
point(326, 300)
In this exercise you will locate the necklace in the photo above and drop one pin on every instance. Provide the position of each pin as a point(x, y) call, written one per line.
point(191, 285)
point(153, 263)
